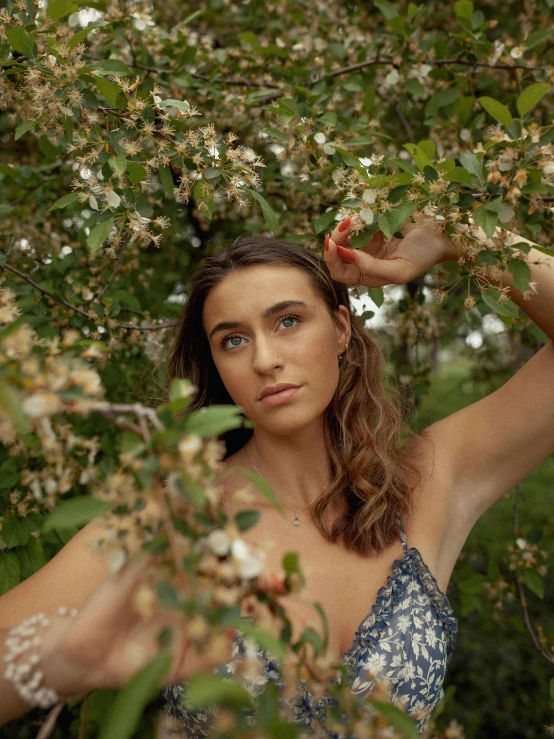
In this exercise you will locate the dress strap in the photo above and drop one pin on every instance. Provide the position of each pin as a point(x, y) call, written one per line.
point(402, 535)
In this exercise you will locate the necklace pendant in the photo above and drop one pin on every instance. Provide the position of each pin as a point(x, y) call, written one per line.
point(296, 520)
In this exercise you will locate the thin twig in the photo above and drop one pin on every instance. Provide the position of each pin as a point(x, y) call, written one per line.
point(139, 410)
point(50, 294)
point(519, 586)
point(96, 319)
point(83, 724)
point(50, 722)
point(399, 113)
point(170, 530)
point(113, 274)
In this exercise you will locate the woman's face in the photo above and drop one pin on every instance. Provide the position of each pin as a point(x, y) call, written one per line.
point(270, 342)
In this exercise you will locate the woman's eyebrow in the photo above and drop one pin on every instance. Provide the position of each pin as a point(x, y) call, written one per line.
point(225, 325)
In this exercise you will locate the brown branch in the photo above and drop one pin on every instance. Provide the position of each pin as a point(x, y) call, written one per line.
point(96, 319)
point(399, 113)
point(142, 412)
point(47, 292)
point(519, 586)
point(113, 274)
point(170, 529)
point(132, 327)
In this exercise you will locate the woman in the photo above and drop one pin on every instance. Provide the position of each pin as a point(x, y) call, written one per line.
point(372, 524)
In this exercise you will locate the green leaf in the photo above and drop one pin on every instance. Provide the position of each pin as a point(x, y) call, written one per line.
point(377, 295)
point(180, 388)
point(270, 217)
point(507, 308)
point(537, 37)
point(457, 174)
point(57, 9)
point(126, 711)
point(521, 273)
point(12, 404)
point(31, 557)
point(472, 164)
point(181, 105)
point(277, 134)
point(534, 582)
point(111, 66)
point(497, 110)
point(486, 218)
point(83, 33)
point(551, 689)
point(324, 221)
point(387, 9)
point(136, 172)
point(166, 178)
point(264, 639)
point(64, 201)
point(99, 234)
point(23, 128)
point(393, 220)
point(9, 572)
point(246, 519)
point(463, 9)
point(118, 164)
point(264, 488)
point(110, 91)
point(214, 420)
point(531, 96)
point(21, 41)
point(291, 563)
point(418, 155)
point(397, 718)
point(428, 147)
point(204, 690)
point(210, 173)
point(75, 512)
point(16, 531)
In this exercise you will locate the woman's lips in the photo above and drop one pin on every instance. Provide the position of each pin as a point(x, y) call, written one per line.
point(281, 397)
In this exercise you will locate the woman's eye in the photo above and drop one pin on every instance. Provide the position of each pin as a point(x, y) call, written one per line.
point(232, 341)
point(292, 320)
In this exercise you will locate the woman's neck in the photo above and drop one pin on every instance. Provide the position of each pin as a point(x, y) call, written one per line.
point(298, 470)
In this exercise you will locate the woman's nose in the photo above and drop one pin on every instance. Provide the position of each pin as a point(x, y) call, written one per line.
point(266, 356)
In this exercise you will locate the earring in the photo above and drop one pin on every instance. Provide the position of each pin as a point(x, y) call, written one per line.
point(341, 356)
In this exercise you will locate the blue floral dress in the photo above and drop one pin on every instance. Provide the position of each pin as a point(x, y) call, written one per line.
point(406, 640)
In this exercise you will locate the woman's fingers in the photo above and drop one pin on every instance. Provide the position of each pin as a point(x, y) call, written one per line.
point(341, 232)
point(345, 266)
point(340, 268)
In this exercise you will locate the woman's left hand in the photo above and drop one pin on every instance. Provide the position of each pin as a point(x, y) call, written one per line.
point(396, 264)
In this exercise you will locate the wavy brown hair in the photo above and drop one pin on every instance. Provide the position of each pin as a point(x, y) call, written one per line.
point(364, 421)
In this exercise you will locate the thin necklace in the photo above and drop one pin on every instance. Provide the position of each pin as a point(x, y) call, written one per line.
point(296, 521)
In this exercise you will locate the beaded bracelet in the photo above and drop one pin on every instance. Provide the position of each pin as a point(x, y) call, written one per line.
point(25, 674)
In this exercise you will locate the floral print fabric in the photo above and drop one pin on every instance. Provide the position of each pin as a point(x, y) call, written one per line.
point(406, 640)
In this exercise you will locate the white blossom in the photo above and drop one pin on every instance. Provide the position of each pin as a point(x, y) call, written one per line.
point(320, 138)
point(219, 542)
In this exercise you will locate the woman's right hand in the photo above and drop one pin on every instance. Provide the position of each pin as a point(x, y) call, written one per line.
point(108, 641)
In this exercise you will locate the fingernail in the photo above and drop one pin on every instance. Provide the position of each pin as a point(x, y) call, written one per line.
point(344, 225)
point(347, 253)
point(326, 243)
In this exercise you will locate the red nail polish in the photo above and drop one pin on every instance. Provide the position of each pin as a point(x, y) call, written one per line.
point(347, 253)
point(344, 225)
point(326, 243)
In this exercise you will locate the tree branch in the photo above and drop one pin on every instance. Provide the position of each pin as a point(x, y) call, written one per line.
point(80, 311)
point(113, 274)
point(519, 586)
